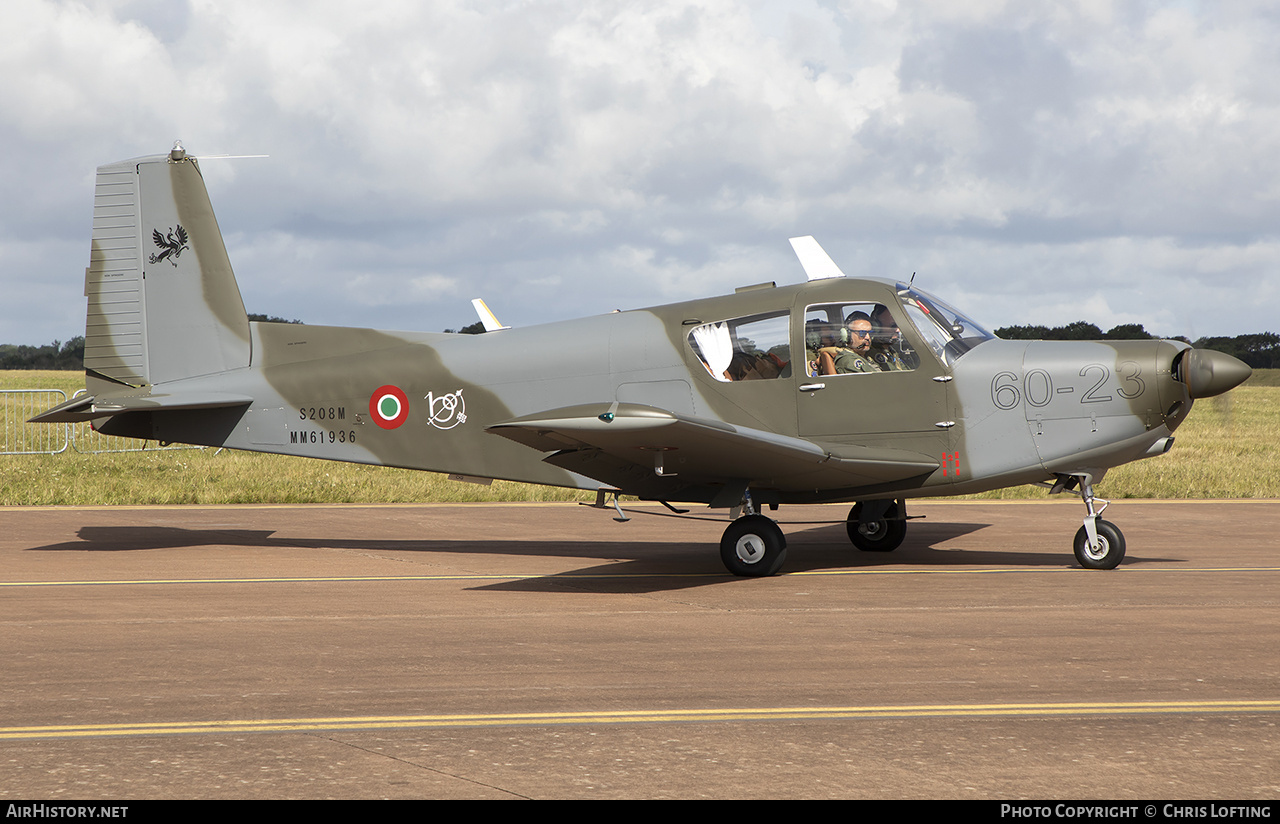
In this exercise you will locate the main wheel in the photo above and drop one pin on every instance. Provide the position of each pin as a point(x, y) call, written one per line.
point(753, 546)
point(1107, 554)
point(884, 535)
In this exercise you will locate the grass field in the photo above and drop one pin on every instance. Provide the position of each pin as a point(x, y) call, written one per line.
point(1226, 449)
point(211, 476)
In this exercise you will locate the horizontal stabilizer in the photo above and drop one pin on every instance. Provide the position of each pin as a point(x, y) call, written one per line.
point(700, 448)
point(88, 408)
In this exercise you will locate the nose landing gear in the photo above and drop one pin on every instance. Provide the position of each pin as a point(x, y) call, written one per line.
point(1098, 544)
point(1104, 549)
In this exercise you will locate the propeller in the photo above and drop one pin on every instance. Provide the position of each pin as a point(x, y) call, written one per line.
point(1208, 372)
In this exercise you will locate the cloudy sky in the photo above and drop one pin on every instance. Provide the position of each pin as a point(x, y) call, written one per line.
point(1044, 162)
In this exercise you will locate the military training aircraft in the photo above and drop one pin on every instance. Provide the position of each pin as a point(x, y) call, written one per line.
point(834, 390)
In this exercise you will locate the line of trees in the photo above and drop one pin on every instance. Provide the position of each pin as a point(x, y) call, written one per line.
point(56, 355)
point(1080, 330)
point(476, 328)
point(1260, 351)
point(69, 356)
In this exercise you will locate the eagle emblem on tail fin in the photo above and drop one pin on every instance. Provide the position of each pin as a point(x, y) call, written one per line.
point(172, 245)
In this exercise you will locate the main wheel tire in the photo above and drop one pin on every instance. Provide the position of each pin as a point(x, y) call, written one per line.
point(884, 535)
point(753, 546)
point(1109, 552)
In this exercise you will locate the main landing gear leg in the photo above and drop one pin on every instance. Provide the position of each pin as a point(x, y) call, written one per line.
point(753, 546)
point(1098, 544)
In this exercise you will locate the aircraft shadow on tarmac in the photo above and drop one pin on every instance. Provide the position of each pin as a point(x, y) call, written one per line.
point(630, 563)
point(817, 549)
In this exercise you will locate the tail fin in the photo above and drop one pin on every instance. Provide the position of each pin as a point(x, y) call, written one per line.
point(163, 301)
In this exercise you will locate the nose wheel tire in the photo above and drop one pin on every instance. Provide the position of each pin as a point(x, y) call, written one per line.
point(753, 547)
point(884, 535)
point(1109, 551)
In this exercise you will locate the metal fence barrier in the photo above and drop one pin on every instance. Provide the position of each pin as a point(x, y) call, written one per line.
point(17, 437)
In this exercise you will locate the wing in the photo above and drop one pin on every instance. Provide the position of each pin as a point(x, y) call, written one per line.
point(655, 453)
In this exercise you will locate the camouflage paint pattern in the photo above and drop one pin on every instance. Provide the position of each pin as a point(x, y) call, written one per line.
point(618, 401)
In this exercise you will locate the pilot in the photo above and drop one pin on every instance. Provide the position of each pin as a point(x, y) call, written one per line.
point(886, 342)
point(854, 357)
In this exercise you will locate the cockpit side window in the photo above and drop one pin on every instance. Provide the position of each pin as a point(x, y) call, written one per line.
point(757, 347)
point(854, 338)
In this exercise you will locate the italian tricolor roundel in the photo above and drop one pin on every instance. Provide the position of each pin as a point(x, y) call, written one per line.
point(389, 406)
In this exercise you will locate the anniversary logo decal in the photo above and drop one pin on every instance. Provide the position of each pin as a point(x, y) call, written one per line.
point(447, 410)
point(389, 406)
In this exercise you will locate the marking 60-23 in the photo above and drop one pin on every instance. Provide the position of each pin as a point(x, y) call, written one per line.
point(1037, 389)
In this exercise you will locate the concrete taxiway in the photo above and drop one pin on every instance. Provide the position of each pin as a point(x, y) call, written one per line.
point(544, 651)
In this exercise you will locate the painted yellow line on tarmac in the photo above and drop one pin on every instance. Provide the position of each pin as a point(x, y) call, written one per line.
point(1129, 570)
point(636, 717)
point(607, 576)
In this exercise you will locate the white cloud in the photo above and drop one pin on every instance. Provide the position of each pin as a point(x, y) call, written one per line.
point(1035, 159)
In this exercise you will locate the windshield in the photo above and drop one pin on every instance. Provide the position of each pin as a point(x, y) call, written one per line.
point(948, 332)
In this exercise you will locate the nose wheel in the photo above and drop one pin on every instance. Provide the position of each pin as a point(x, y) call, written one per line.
point(1098, 544)
point(1102, 550)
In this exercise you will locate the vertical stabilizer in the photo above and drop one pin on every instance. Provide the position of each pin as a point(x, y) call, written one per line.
point(163, 301)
